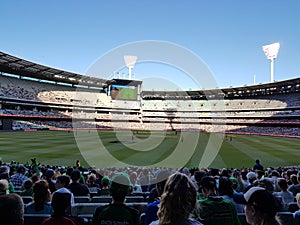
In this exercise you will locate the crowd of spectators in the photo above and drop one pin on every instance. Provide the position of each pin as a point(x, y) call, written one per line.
point(199, 195)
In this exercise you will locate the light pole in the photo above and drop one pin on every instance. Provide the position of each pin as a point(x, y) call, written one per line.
point(271, 51)
point(130, 62)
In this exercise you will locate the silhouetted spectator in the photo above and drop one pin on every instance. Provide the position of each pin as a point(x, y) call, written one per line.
point(117, 212)
point(11, 210)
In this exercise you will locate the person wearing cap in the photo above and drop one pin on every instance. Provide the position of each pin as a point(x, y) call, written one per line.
point(117, 212)
point(259, 205)
point(213, 209)
point(177, 201)
point(18, 178)
point(152, 208)
point(49, 177)
point(105, 187)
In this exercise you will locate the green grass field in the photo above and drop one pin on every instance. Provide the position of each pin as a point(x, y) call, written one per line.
point(106, 148)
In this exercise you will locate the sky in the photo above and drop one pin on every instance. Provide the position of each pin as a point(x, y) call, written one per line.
point(227, 35)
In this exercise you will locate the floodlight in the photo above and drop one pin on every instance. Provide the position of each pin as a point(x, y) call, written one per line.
point(271, 51)
point(130, 61)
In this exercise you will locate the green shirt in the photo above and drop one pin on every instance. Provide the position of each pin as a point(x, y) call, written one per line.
point(116, 214)
point(215, 210)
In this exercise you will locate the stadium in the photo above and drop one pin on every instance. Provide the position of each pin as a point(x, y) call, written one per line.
point(42, 109)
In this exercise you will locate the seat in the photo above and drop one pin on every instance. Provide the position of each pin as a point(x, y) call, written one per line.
point(292, 207)
point(131, 199)
point(26, 199)
point(35, 219)
point(82, 199)
point(286, 218)
point(101, 199)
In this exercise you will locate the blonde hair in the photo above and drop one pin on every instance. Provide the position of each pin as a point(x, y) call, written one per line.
point(298, 199)
point(177, 200)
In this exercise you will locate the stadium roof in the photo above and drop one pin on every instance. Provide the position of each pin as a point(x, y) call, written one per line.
point(14, 65)
point(285, 86)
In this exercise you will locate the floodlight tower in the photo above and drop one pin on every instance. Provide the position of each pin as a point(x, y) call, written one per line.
point(130, 61)
point(271, 51)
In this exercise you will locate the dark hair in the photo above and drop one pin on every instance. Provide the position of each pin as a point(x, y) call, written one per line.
point(225, 186)
point(64, 179)
point(41, 194)
point(75, 175)
point(60, 203)
point(11, 209)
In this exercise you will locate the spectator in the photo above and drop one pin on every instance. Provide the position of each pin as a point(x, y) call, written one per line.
point(226, 192)
point(259, 205)
point(213, 209)
point(178, 201)
point(105, 187)
point(91, 181)
point(28, 188)
point(61, 203)
point(49, 177)
point(117, 212)
point(41, 199)
point(4, 187)
point(152, 208)
point(258, 166)
point(18, 178)
point(11, 209)
point(61, 184)
point(297, 213)
point(77, 188)
point(285, 195)
point(136, 188)
point(295, 187)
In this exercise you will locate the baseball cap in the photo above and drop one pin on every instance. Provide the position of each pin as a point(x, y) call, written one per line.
point(208, 182)
point(105, 181)
point(120, 183)
point(258, 197)
point(251, 175)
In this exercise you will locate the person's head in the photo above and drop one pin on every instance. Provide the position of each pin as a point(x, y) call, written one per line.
point(75, 175)
point(61, 202)
point(11, 209)
point(178, 199)
point(3, 187)
point(41, 194)
point(28, 184)
point(49, 174)
point(225, 186)
point(208, 186)
point(21, 169)
point(257, 161)
point(62, 181)
point(282, 184)
point(259, 205)
point(161, 179)
point(105, 181)
point(251, 176)
point(119, 187)
point(298, 199)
